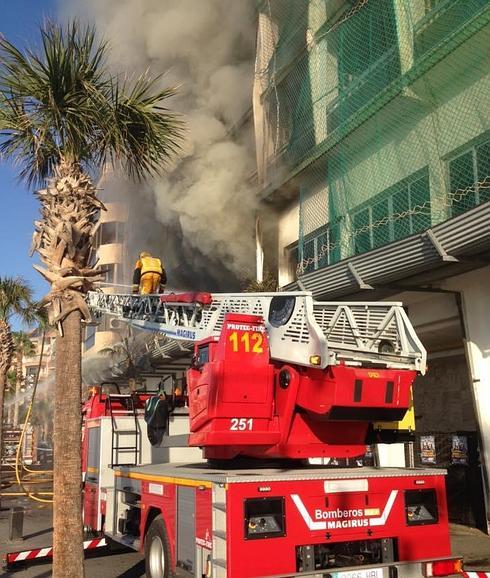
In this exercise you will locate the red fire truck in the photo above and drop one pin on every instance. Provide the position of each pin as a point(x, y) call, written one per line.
point(222, 485)
point(275, 380)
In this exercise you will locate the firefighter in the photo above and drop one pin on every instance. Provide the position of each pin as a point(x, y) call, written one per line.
point(149, 275)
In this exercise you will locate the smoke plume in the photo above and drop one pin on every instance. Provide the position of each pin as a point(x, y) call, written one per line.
point(205, 202)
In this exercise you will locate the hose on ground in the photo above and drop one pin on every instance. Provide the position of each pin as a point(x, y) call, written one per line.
point(20, 482)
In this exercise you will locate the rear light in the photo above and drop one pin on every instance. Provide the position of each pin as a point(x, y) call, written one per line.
point(444, 567)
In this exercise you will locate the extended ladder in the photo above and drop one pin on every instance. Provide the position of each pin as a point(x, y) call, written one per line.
point(299, 328)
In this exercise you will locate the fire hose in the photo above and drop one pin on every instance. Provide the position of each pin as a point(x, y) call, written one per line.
point(20, 482)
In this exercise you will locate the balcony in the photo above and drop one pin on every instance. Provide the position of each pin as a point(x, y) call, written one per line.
point(445, 19)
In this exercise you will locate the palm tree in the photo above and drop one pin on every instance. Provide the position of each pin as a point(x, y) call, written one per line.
point(123, 357)
point(268, 284)
point(24, 347)
point(63, 117)
point(15, 300)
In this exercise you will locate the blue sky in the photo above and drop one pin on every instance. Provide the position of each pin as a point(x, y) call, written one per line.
point(19, 22)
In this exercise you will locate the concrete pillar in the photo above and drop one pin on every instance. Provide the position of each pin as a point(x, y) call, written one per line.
point(474, 288)
point(404, 25)
point(265, 135)
point(317, 69)
point(323, 69)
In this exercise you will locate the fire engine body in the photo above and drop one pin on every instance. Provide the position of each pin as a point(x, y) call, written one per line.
point(113, 435)
point(273, 377)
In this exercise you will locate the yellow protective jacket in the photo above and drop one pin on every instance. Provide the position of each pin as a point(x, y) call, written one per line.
point(148, 265)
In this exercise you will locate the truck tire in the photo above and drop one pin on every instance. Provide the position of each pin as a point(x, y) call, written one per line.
point(158, 560)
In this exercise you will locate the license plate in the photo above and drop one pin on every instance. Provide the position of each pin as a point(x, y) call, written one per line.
point(368, 573)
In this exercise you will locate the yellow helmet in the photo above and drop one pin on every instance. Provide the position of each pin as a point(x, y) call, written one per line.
point(144, 254)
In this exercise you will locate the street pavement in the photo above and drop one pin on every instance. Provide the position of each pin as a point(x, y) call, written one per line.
point(125, 565)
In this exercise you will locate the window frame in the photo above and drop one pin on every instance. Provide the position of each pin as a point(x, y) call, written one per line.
point(314, 237)
point(473, 149)
point(387, 196)
point(118, 233)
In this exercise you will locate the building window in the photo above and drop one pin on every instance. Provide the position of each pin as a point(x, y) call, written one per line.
point(110, 276)
point(443, 19)
point(320, 248)
point(292, 261)
point(90, 332)
point(469, 178)
point(400, 211)
point(368, 59)
point(31, 372)
point(365, 40)
point(110, 232)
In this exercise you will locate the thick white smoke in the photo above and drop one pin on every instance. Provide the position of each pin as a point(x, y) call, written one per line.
point(206, 47)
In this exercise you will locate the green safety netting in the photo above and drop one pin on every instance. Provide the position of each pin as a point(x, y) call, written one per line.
point(377, 113)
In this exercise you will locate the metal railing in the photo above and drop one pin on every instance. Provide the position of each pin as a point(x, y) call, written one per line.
point(376, 334)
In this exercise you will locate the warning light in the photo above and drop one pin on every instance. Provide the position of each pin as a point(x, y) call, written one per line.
point(315, 360)
point(444, 567)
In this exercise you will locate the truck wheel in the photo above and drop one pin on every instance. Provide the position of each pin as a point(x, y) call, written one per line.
point(157, 551)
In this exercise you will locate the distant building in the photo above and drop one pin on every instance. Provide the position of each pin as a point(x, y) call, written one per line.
point(372, 126)
point(30, 364)
point(109, 253)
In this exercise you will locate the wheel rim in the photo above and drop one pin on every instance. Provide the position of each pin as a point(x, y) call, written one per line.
point(157, 557)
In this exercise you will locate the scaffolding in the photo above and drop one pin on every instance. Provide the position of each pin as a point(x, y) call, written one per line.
point(377, 113)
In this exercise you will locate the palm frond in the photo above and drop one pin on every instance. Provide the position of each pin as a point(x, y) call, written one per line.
point(62, 101)
point(15, 299)
point(23, 343)
point(141, 134)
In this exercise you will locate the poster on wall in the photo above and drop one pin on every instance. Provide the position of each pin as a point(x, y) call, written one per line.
point(368, 459)
point(459, 450)
point(428, 449)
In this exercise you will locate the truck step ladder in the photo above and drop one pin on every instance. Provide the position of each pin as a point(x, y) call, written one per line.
point(300, 329)
point(118, 431)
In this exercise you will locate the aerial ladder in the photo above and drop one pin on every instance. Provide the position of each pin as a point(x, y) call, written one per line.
point(300, 330)
point(319, 377)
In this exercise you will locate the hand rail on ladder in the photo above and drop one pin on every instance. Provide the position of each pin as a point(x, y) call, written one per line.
point(116, 431)
point(299, 328)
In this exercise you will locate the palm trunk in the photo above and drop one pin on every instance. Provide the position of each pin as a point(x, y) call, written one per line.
point(68, 533)
point(6, 352)
point(63, 237)
point(3, 380)
point(18, 386)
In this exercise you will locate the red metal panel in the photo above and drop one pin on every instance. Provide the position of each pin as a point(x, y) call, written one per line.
point(204, 518)
point(90, 505)
point(189, 297)
point(314, 517)
point(163, 497)
point(241, 402)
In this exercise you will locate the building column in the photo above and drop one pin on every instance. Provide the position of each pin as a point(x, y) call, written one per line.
point(404, 25)
point(474, 288)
